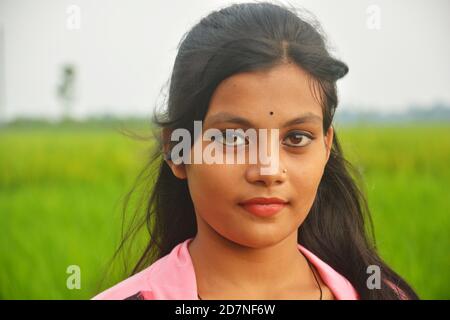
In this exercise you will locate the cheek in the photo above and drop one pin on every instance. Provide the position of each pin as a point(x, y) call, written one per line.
point(305, 181)
point(209, 185)
point(215, 201)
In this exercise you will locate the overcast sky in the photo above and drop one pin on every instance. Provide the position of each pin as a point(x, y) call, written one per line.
point(124, 51)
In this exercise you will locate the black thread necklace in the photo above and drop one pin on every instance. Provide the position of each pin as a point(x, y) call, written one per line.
point(315, 278)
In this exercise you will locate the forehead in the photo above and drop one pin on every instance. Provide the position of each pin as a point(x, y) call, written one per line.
point(285, 90)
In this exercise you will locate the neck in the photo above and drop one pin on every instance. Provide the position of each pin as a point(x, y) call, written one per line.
point(223, 265)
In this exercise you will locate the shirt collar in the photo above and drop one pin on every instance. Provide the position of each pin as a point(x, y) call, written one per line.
point(173, 277)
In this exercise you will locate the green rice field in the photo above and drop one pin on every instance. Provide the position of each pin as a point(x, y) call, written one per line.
point(62, 189)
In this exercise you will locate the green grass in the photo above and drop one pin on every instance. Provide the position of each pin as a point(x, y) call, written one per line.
point(407, 173)
point(61, 192)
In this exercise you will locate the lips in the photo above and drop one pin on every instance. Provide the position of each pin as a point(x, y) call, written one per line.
point(264, 207)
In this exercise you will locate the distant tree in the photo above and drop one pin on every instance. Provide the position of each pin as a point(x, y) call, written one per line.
point(66, 89)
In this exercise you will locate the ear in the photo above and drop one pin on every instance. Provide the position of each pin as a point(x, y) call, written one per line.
point(328, 139)
point(178, 170)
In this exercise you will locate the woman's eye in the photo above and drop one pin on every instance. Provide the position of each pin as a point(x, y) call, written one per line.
point(298, 139)
point(231, 138)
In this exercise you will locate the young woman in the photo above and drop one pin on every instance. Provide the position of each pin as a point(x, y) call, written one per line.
point(231, 231)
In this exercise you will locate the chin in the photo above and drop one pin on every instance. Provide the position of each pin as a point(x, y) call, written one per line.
point(258, 239)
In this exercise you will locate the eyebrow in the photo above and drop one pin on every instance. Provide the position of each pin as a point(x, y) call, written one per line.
point(230, 118)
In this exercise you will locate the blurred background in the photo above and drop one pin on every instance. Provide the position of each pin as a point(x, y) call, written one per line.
point(73, 74)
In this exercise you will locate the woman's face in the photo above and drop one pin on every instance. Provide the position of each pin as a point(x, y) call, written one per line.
point(267, 100)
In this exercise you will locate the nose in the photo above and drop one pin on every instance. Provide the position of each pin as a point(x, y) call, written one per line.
point(268, 169)
point(255, 175)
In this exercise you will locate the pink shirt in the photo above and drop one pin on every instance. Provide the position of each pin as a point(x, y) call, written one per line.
point(173, 278)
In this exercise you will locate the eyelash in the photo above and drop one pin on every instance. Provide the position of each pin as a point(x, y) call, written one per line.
point(303, 134)
point(292, 133)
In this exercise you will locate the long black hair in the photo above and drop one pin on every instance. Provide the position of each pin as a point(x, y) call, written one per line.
point(249, 37)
